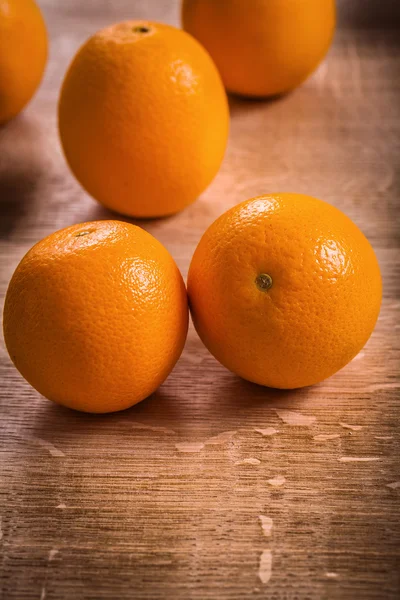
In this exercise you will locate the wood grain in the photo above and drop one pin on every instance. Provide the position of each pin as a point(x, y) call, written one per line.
point(154, 503)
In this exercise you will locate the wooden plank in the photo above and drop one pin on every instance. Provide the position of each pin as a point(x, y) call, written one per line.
point(151, 503)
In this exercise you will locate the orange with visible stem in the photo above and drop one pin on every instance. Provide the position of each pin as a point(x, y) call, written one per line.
point(96, 316)
point(284, 290)
point(143, 118)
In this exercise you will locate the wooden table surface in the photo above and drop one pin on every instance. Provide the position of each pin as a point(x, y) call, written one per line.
point(215, 488)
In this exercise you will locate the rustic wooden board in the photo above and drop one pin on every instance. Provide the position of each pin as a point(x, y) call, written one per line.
point(149, 503)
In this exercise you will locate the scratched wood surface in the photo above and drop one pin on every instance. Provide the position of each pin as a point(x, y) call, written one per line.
point(214, 488)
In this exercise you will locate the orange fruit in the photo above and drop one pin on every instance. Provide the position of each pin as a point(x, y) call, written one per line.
point(284, 290)
point(23, 54)
point(96, 316)
point(262, 47)
point(143, 118)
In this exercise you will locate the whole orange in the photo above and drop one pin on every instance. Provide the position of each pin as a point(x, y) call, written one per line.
point(96, 316)
point(262, 47)
point(143, 118)
point(284, 290)
point(23, 54)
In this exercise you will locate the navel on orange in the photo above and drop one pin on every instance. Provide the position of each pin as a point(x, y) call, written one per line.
point(262, 47)
point(23, 54)
point(284, 290)
point(143, 118)
point(96, 316)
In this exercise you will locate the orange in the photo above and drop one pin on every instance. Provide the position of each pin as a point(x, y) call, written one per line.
point(284, 290)
point(96, 316)
point(143, 118)
point(23, 54)
point(262, 47)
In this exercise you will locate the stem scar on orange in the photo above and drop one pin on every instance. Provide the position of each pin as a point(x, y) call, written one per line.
point(96, 316)
point(284, 290)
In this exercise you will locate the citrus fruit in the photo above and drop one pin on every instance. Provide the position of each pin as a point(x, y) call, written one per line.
point(143, 118)
point(96, 316)
point(262, 47)
point(284, 290)
point(23, 54)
